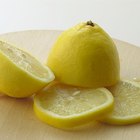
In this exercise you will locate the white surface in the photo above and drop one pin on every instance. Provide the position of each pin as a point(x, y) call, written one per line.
point(120, 18)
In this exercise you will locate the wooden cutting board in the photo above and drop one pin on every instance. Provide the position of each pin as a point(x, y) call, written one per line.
point(17, 119)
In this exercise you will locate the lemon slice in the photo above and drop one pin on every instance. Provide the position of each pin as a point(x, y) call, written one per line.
point(64, 106)
point(127, 103)
point(21, 74)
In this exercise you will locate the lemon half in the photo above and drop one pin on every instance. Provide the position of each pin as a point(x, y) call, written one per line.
point(21, 74)
point(127, 103)
point(63, 106)
point(85, 56)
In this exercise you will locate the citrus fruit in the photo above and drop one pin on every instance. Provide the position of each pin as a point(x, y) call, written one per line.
point(21, 74)
point(85, 56)
point(64, 106)
point(126, 103)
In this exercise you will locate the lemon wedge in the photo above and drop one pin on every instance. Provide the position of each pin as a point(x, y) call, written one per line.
point(64, 106)
point(21, 74)
point(127, 103)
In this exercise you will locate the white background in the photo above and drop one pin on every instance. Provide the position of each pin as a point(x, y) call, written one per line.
point(120, 18)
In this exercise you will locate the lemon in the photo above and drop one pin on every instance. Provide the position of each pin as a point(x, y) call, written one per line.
point(64, 106)
point(85, 56)
point(127, 103)
point(21, 74)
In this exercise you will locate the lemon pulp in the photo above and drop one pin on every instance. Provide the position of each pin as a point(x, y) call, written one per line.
point(23, 60)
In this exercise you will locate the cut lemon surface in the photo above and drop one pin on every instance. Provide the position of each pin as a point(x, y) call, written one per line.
point(64, 106)
point(21, 74)
point(127, 103)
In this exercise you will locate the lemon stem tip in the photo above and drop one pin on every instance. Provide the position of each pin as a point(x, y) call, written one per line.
point(90, 23)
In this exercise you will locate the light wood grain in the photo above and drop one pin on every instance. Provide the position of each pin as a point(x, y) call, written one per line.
point(17, 119)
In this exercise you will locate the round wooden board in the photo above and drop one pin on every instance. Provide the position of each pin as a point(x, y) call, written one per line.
point(17, 119)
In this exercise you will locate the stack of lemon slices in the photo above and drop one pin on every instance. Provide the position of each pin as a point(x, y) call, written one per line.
point(87, 86)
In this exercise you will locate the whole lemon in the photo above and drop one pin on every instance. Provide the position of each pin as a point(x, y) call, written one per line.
point(85, 56)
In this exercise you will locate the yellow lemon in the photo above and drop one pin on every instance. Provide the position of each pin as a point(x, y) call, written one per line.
point(126, 103)
point(85, 56)
point(63, 106)
point(21, 75)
